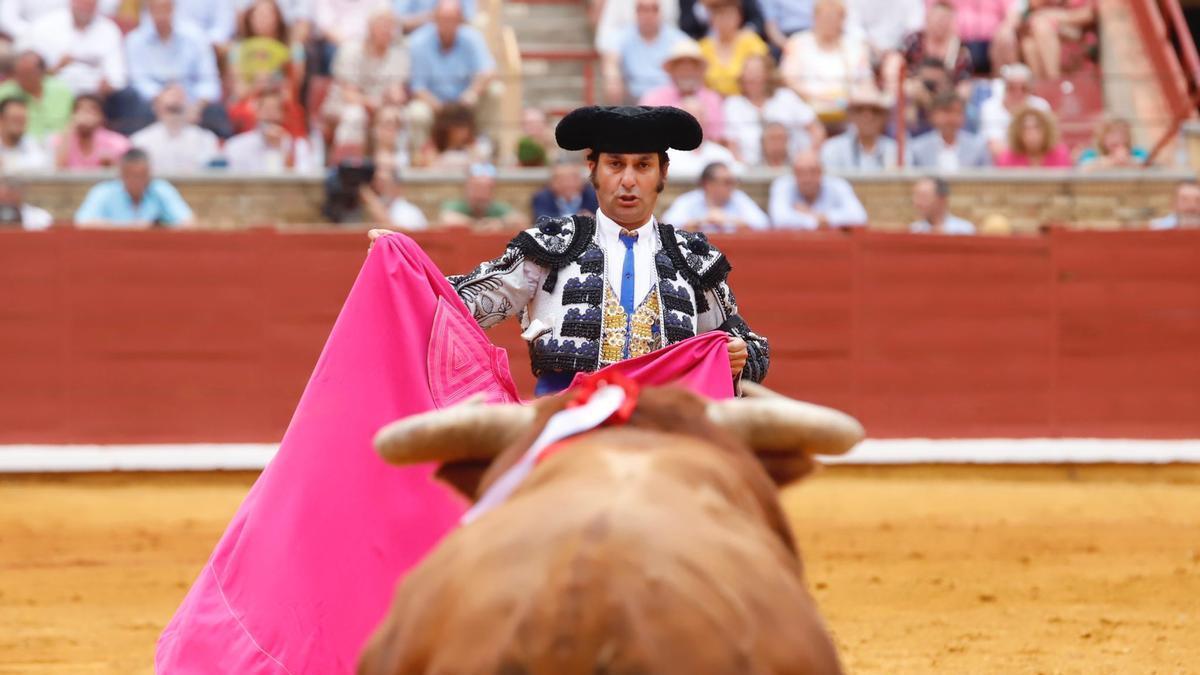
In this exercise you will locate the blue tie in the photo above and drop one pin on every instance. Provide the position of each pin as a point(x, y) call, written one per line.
point(627, 272)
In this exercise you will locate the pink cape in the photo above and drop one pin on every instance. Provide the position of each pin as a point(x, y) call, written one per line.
point(309, 564)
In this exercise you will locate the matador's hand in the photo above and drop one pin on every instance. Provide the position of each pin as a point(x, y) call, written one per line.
point(737, 354)
point(374, 234)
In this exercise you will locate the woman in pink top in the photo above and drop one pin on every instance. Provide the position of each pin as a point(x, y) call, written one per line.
point(1033, 142)
point(85, 143)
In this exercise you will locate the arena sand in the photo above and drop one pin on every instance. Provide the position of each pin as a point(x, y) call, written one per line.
point(917, 569)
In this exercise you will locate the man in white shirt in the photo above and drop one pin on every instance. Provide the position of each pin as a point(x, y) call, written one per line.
point(1013, 92)
point(592, 292)
point(717, 205)
point(270, 149)
point(19, 152)
point(930, 199)
point(18, 16)
point(863, 147)
point(16, 212)
point(810, 200)
point(82, 47)
point(175, 145)
point(1186, 211)
point(948, 147)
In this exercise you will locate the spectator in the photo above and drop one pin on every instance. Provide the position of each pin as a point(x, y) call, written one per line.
point(930, 199)
point(1033, 141)
point(134, 200)
point(261, 55)
point(776, 146)
point(949, 147)
point(15, 211)
point(1186, 210)
point(48, 100)
point(997, 112)
point(883, 24)
point(270, 148)
point(982, 26)
point(385, 204)
point(389, 139)
point(368, 75)
point(728, 47)
point(85, 143)
point(637, 66)
point(297, 15)
point(450, 64)
point(689, 163)
point(456, 143)
point(566, 194)
point(825, 64)
point(478, 209)
point(1114, 148)
point(863, 147)
point(412, 14)
point(18, 16)
point(164, 51)
point(216, 19)
point(685, 66)
point(695, 17)
point(717, 205)
point(810, 200)
point(762, 102)
point(784, 18)
point(617, 16)
point(174, 145)
point(1044, 25)
point(933, 56)
point(81, 47)
point(18, 151)
point(931, 80)
point(536, 146)
point(340, 21)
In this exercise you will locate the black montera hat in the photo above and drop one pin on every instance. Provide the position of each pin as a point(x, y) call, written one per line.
point(628, 129)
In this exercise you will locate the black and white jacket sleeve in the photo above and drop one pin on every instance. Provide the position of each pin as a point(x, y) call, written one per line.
point(499, 288)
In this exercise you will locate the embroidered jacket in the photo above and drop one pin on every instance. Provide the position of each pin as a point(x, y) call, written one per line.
point(554, 276)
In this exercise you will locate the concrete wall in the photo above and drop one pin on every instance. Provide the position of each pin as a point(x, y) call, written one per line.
point(1027, 198)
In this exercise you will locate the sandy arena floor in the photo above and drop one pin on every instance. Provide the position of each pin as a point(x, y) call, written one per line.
point(948, 570)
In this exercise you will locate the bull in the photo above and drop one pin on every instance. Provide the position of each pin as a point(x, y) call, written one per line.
point(655, 547)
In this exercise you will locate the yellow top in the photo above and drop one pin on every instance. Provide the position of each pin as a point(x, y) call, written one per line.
point(722, 76)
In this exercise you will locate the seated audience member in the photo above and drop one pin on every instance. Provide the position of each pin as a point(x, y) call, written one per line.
point(949, 147)
point(15, 211)
point(617, 16)
point(85, 143)
point(728, 47)
point(810, 200)
point(566, 194)
point(1114, 148)
point(937, 41)
point(18, 16)
point(685, 67)
point(997, 112)
point(637, 66)
point(825, 64)
point(1186, 209)
point(18, 151)
point(339, 21)
point(536, 146)
point(368, 74)
point(173, 144)
point(385, 204)
point(931, 201)
point(456, 143)
point(884, 23)
point(81, 47)
point(776, 148)
point(478, 209)
point(1043, 27)
point(930, 81)
point(863, 147)
point(215, 19)
point(270, 148)
point(47, 99)
point(717, 205)
point(1033, 142)
point(297, 16)
point(134, 200)
point(695, 17)
point(262, 52)
point(982, 27)
point(689, 163)
point(162, 51)
point(783, 19)
point(389, 139)
point(762, 102)
point(450, 64)
point(412, 14)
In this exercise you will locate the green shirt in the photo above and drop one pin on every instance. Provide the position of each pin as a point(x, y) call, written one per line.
point(48, 114)
point(494, 210)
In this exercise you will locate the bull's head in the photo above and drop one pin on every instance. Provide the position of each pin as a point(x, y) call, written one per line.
point(475, 441)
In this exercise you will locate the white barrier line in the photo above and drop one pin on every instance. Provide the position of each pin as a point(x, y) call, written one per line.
point(254, 456)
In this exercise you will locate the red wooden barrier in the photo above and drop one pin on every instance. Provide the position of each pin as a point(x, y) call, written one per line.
point(182, 337)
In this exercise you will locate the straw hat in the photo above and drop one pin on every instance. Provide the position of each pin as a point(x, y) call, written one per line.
point(684, 50)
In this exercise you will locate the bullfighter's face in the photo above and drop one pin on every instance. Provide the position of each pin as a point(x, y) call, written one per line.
point(627, 185)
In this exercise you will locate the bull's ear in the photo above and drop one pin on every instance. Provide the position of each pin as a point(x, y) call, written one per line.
point(785, 433)
point(471, 430)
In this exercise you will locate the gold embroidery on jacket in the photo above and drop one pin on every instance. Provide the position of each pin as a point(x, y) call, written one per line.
point(644, 329)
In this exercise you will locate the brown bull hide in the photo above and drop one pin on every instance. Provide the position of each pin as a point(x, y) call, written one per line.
point(655, 548)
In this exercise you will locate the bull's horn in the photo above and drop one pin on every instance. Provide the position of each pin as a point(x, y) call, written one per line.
point(767, 421)
point(469, 430)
